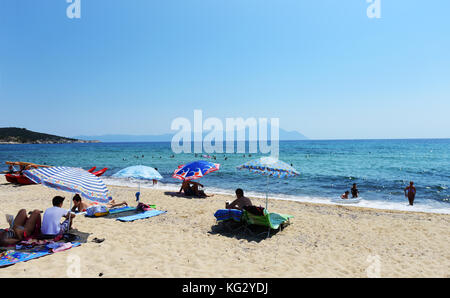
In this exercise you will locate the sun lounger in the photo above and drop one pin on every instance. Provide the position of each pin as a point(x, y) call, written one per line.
point(142, 215)
point(269, 219)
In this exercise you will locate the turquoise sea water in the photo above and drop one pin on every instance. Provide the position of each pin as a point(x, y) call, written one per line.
point(381, 168)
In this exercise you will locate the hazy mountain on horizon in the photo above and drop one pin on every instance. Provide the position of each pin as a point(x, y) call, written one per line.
point(284, 136)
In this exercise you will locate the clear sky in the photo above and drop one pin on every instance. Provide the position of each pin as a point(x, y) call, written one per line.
point(322, 67)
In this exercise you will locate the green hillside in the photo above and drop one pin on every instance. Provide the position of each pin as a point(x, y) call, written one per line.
point(24, 136)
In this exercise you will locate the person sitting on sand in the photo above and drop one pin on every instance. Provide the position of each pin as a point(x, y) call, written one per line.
point(51, 223)
point(345, 195)
point(21, 227)
point(11, 170)
point(80, 206)
point(190, 188)
point(355, 191)
point(410, 193)
point(240, 202)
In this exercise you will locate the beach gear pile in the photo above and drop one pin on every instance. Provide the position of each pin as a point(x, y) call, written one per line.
point(97, 211)
point(28, 250)
point(252, 215)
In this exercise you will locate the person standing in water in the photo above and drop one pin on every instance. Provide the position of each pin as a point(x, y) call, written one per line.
point(355, 191)
point(410, 193)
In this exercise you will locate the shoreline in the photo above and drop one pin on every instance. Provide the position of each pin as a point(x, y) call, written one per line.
point(364, 204)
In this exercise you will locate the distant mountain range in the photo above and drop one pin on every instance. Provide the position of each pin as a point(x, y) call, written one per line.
point(15, 135)
point(284, 136)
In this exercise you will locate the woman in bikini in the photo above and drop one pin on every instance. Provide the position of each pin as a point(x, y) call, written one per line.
point(80, 206)
point(22, 227)
point(191, 188)
point(410, 193)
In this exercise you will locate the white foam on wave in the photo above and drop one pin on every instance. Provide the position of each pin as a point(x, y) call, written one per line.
point(419, 206)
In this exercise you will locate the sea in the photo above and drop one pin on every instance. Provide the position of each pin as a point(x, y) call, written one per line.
point(380, 168)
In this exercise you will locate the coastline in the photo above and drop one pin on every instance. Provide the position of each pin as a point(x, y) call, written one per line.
point(322, 240)
point(364, 204)
point(45, 142)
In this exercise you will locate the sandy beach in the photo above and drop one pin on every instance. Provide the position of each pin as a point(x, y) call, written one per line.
point(322, 241)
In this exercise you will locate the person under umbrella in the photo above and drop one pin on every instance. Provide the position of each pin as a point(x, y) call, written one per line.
point(191, 171)
point(74, 180)
point(269, 167)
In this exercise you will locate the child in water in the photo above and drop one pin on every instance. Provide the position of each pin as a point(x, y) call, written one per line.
point(345, 195)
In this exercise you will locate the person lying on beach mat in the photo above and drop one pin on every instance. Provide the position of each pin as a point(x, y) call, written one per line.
point(80, 206)
point(241, 201)
point(190, 188)
point(22, 227)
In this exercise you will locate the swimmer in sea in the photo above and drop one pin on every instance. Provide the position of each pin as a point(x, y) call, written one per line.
point(410, 193)
point(345, 195)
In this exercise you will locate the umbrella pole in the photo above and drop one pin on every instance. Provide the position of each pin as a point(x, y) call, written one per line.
point(139, 190)
point(267, 200)
point(70, 214)
point(267, 190)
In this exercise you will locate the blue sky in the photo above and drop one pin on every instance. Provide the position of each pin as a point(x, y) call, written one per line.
point(322, 67)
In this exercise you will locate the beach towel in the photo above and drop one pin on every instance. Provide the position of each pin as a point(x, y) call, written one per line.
point(228, 214)
point(272, 219)
point(11, 257)
point(122, 209)
point(143, 215)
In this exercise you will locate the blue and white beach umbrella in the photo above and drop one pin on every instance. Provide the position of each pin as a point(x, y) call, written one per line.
point(270, 167)
point(74, 180)
point(139, 172)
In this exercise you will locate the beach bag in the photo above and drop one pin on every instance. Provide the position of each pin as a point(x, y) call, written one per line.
point(144, 207)
point(97, 211)
point(259, 211)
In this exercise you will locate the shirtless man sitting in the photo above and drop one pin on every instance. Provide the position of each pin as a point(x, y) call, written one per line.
point(240, 202)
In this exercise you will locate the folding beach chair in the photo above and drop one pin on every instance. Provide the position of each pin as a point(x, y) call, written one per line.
point(271, 220)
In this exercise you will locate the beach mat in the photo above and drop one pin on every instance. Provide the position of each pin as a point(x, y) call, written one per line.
point(122, 209)
point(12, 257)
point(227, 214)
point(142, 215)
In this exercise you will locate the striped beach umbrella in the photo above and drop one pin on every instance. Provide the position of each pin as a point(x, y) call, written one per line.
point(195, 170)
point(74, 180)
point(269, 167)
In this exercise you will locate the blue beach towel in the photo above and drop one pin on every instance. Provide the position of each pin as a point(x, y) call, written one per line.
point(11, 257)
point(142, 215)
point(227, 214)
